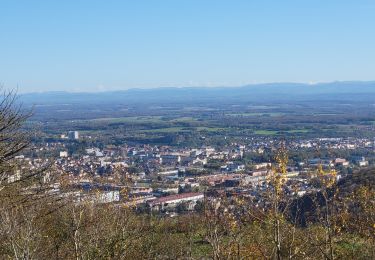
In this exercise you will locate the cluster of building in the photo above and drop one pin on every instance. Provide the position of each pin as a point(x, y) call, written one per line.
point(168, 179)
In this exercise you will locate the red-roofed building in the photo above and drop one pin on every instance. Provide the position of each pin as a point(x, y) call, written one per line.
point(173, 200)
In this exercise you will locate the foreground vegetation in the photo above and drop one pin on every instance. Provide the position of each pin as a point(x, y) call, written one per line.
point(40, 227)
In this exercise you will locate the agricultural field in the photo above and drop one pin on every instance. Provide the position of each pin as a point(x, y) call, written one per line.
point(205, 124)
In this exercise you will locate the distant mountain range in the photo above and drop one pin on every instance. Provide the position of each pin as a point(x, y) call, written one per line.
point(353, 91)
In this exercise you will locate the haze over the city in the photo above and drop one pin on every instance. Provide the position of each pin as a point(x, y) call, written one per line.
point(112, 45)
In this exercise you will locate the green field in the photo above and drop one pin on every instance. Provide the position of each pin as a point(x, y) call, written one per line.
point(166, 130)
point(131, 119)
point(265, 132)
point(182, 120)
point(298, 131)
point(255, 114)
point(274, 132)
point(144, 119)
point(183, 129)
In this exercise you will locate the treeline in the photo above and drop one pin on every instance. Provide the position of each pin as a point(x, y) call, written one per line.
point(40, 227)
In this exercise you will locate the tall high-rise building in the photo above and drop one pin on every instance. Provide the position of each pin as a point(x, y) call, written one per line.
point(74, 135)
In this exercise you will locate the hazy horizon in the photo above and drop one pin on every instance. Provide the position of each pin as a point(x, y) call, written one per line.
point(197, 87)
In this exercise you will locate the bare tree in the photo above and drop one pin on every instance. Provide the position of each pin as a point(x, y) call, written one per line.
point(12, 138)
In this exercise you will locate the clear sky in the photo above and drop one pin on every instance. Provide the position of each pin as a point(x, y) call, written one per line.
point(92, 45)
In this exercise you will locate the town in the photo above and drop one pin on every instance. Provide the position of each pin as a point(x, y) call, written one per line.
point(171, 180)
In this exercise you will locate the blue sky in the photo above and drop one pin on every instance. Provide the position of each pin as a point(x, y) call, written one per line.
point(95, 45)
